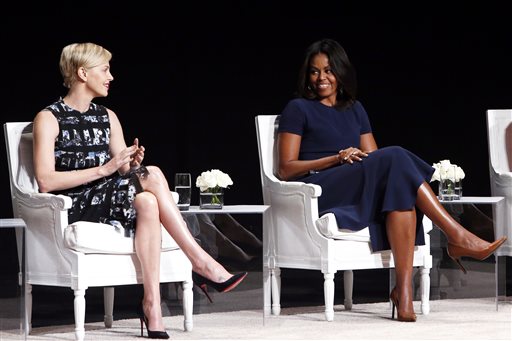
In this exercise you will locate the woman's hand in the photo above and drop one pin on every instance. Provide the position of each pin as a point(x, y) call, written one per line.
point(138, 156)
point(127, 155)
point(350, 155)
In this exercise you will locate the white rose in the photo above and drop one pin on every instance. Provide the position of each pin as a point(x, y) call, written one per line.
point(444, 169)
point(213, 178)
point(459, 173)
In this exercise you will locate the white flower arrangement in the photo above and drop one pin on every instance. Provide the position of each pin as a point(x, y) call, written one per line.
point(446, 170)
point(213, 180)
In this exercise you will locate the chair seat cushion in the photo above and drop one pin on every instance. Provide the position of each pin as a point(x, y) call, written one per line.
point(328, 227)
point(88, 237)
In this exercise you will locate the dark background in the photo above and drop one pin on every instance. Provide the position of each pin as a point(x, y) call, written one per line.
point(190, 78)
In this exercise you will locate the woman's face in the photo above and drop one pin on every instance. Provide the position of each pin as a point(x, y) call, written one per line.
point(322, 79)
point(98, 79)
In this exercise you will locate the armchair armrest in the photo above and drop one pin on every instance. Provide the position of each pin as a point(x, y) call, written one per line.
point(501, 179)
point(46, 217)
point(58, 202)
point(289, 187)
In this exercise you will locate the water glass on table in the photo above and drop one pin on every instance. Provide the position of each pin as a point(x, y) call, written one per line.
point(182, 185)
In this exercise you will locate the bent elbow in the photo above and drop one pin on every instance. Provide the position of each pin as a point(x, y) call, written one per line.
point(43, 185)
point(282, 174)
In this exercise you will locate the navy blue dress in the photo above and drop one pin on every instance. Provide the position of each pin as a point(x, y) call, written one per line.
point(360, 194)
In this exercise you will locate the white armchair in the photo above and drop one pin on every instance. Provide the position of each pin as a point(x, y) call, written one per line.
point(499, 137)
point(296, 237)
point(82, 254)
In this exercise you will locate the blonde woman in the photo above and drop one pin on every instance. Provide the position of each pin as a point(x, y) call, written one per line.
point(80, 151)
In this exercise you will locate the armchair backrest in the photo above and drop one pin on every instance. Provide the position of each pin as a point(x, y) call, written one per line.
point(18, 141)
point(499, 128)
point(266, 133)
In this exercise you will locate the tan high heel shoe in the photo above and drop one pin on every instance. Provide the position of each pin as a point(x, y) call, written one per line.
point(407, 317)
point(455, 252)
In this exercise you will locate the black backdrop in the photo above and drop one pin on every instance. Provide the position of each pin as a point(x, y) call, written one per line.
point(190, 78)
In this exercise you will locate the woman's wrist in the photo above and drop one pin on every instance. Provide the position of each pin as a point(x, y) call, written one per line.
point(339, 159)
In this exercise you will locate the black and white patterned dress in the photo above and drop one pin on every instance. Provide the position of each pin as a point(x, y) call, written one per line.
point(83, 142)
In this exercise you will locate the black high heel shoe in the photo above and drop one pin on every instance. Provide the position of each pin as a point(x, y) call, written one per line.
point(152, 334)
point(225, 286)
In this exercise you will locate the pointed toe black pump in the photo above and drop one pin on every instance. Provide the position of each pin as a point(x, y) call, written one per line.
point(202, 282)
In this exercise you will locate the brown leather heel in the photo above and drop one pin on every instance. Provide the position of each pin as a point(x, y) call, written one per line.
point(408, 317)
point(455, 252)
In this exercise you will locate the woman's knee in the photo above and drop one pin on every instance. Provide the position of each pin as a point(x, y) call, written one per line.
point(154, 178)
point(395, 150)
point(146, 202)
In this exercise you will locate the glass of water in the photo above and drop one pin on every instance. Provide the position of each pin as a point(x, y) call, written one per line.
point(183, 188)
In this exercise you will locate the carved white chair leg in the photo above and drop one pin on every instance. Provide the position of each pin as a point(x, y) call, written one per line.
point(329, 295)
point(267, 291)
point(79, 305)
point(28, 307)
point(348, 287)
point(425, 290)
point(108, 302)
point(188, 302)
point(275, 278)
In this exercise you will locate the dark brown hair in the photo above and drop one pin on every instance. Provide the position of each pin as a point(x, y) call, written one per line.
point(341, 67)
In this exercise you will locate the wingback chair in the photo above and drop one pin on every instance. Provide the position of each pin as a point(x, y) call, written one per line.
point(296, 237)
point(499, 137)
point(82, 254)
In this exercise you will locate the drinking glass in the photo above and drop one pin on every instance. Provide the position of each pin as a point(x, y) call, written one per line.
point(183, 188)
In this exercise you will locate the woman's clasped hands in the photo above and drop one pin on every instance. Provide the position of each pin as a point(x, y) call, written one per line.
point(351, 154)
point(132, 155)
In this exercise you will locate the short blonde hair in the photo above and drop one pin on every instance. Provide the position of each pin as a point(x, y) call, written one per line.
point(77, 55)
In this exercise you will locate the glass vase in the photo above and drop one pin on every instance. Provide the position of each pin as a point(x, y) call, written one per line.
point(450, 187)
point(211, 200)
point(446, 190)
point(458, 189)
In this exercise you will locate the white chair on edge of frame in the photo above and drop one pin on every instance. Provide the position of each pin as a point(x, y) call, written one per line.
point(499, 137)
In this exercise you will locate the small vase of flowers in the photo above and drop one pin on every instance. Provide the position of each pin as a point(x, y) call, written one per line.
point(211, 186)
point(450, 180)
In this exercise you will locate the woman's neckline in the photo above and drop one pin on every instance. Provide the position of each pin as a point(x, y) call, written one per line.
point(73, 108)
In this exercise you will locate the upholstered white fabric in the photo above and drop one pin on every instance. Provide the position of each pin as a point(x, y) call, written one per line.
point(87, 237)
point(296, 237)
point(83, 254)
point(327, 226)
point(499, 137)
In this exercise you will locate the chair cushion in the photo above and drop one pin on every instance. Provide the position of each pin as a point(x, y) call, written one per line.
point(328, 227)
point(88, 237)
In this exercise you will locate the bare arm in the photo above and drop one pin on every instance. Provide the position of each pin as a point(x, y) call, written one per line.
point(290, 166)
point(46, 129)
point(367, 142)
point(118, 145)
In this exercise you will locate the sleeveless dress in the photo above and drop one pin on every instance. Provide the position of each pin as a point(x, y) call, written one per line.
point(83, 142)
point(360, 194)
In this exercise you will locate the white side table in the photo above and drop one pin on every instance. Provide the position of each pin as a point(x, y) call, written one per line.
point(490, 201)
point(12, 314)
point(230, 209)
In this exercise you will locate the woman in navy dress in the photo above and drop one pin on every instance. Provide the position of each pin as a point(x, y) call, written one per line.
point(325, 137)
point(80, 151)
